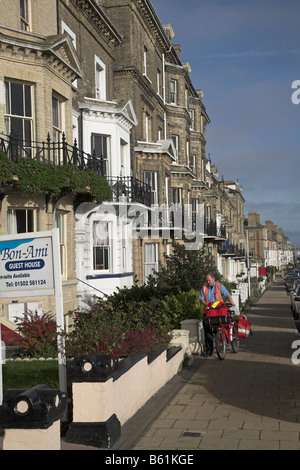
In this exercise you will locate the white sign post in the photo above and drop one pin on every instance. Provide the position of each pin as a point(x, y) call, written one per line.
point(29, 267)
point(1, 362)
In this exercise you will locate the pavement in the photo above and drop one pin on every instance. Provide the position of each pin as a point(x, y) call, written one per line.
point(249, 401)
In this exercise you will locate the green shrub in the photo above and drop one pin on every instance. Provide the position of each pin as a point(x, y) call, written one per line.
point(45, 178)
point(6, 171)
point(132, 326)
point(184, 270)
point(181, 307)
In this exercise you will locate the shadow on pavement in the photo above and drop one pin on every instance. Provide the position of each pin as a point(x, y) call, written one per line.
point(261, 388)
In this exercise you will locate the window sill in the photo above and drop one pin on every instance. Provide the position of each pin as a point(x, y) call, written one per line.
point(108, 275)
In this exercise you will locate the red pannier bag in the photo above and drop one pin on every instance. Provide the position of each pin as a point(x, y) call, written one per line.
point(244, 327)
point(216, 311)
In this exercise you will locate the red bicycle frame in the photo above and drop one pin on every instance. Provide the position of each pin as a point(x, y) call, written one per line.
point(225, 329)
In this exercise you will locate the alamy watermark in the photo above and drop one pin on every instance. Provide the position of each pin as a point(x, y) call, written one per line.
point(296, 354)
point(177, 221)
point(296, 94)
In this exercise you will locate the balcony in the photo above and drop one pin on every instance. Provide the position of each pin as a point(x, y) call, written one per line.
point(129, 189)
point(61, 153)
point(212, 230)
point(228, 249)
point(231, 250)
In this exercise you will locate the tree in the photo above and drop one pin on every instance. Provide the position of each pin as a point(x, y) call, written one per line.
point(184, 270)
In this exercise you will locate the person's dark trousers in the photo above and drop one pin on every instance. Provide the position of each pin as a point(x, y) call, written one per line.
point(208, 334)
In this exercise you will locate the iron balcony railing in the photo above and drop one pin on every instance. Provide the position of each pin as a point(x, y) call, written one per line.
point(232, 250)
point(61, 153)
point(212, 229)
point(129, 189)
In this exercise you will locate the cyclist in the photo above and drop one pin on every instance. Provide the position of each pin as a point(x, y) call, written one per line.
point(211, 292)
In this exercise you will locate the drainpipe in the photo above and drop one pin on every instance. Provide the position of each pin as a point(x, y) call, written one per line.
point(248, 265)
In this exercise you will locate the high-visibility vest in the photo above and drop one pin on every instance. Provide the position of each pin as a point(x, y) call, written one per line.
point(218, 295)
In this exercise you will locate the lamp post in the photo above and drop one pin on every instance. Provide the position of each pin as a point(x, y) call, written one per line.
point(248, 265)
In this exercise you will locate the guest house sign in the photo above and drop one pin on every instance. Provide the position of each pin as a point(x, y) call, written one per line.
point(30, 267)
point(26, 265)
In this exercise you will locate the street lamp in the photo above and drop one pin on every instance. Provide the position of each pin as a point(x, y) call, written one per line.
point(248, 264)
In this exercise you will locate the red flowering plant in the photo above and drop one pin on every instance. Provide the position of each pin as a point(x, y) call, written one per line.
point(136, 341)
point(117, 328)
point(38, 335)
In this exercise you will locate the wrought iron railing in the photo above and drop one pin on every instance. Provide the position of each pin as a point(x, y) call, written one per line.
point(61, 153)
point(213, 229)
point(227, 248)
point(58, 153)
point(129, 189)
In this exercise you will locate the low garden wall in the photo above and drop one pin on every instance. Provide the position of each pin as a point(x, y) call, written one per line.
point(135, 381)
point(106, 391)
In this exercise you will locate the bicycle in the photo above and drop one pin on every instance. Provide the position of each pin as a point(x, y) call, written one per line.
point(225, 329)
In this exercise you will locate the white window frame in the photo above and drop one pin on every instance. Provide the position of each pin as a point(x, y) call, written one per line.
point(186, 95)
point(195, 211)
point(58, 127)
point(159, 133)
point(125, 237)
point(192, 162)
point(106, 158)
point(65, 29)
point(12, 220)
point(158, 79)
point(123, 153)
point(173, 92)
point(61, 224)
point(208, 214)
point(145, 60)
point(187, 152)
point(8, 116)
point(100, 79)
point(106, 246)
point(150, 259)
point(192, 116)
point(147, 127)
point(58, 123)
point(150, 178)
point(175, 139)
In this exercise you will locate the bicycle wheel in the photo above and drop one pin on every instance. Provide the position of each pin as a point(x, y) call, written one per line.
point(220, 344)
point(235, 343)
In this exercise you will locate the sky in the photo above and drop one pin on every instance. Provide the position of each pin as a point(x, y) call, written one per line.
point(245, 56)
